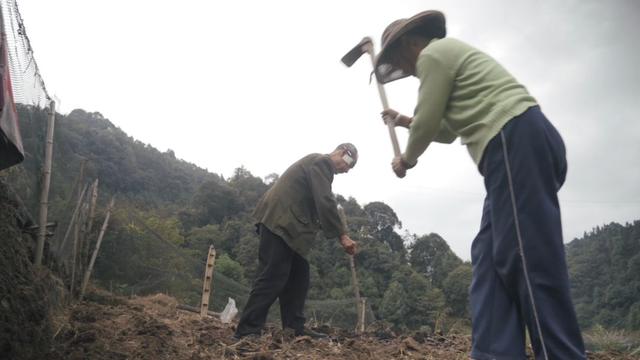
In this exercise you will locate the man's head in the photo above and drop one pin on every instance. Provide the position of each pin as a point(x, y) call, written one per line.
point(344, 157)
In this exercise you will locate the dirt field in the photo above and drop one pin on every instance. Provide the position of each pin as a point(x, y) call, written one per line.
point(110, 327)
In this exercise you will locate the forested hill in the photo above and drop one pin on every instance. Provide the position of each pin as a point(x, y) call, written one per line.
point(604, 267)
point(169, 211)
point(124, 165)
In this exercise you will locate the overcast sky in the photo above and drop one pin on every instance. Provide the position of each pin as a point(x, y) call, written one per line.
point(260, 84)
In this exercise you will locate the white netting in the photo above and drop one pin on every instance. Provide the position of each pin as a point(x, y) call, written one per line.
point(28, 86)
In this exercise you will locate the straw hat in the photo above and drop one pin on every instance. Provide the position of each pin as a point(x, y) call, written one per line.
point(433, 24)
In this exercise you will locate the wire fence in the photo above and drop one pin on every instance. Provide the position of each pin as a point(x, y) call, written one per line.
point(28, 84)
point(187, 286)
point(342, 313)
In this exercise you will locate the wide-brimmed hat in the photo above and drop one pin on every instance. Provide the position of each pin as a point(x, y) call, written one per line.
point(433, 24)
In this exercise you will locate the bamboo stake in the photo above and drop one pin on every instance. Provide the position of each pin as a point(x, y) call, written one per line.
point(206, 284)
point(74, 256)
point(46, 181)
point(83, 244)
point(92, 207)
point(73, 194)
point(362, 314)
point(72, 221)
point(87, 274)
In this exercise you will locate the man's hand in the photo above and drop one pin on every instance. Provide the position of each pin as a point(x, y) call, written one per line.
point(398, 166)
point(348, 244)
point(396, 118)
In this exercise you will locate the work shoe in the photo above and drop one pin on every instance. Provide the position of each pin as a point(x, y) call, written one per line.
point(312, 334)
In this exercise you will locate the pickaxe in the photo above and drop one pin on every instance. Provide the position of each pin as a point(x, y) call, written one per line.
point(366, 45)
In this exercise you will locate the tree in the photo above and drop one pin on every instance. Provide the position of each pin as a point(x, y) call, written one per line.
point(249, 188)
point(214, 201)
point(431, 256)
point(382, 215)
point(410, 302)
point(230, 268)
point(394, 307)
point(201, 238)
point(456, 290)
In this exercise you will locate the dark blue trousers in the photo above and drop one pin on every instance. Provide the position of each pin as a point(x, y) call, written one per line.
point(520, 278)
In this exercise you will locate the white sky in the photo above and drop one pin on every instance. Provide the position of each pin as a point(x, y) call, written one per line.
point(260, 84)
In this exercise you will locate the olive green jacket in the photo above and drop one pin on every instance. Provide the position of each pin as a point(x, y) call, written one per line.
point(301, 203)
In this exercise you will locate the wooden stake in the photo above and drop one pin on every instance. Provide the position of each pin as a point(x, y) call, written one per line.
point(87, 274)
point(354, 278)
point(362, 314)
point(356, 291)
point(74, 252)
point(206, 285)
point(46, 181)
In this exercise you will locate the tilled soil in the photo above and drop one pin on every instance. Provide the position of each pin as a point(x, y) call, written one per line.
point(109, 327)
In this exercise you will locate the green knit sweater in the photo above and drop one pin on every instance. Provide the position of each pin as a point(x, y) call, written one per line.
point(463, 93)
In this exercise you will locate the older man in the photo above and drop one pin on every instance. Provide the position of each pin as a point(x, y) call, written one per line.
point(288, 217)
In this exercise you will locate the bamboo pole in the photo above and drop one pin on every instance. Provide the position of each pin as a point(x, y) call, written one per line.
point(72, 221)
point(74, 256)
point(83, 241)
point(363, 306)
point(87, 274)
point(206, 284)
point(92, 207)
point(87, 226)
point(46, 181)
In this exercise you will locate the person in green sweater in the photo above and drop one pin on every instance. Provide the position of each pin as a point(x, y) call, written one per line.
point(520, 278)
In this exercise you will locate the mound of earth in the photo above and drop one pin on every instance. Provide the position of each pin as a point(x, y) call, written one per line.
point(105, 326)
point(28, 296)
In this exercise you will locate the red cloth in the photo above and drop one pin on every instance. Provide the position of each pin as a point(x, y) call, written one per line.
point(11, 150)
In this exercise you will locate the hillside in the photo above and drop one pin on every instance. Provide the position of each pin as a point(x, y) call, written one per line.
point(604, 266)
point(168, 212)
point(123, 165)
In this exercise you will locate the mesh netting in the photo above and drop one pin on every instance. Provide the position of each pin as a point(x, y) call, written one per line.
point(28, 86)
point(341, 313)
point(337, 313)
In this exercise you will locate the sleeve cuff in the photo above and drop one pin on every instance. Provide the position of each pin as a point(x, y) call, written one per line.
point(406, 163)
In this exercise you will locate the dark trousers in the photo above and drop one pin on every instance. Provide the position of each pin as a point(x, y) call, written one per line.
point(283, 275)
point(520, 276)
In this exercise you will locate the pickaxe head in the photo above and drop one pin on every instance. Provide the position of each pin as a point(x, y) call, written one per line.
point(354, 54)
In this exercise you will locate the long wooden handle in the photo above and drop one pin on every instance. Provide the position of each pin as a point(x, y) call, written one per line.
point(354, 278)
point(385, 105)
